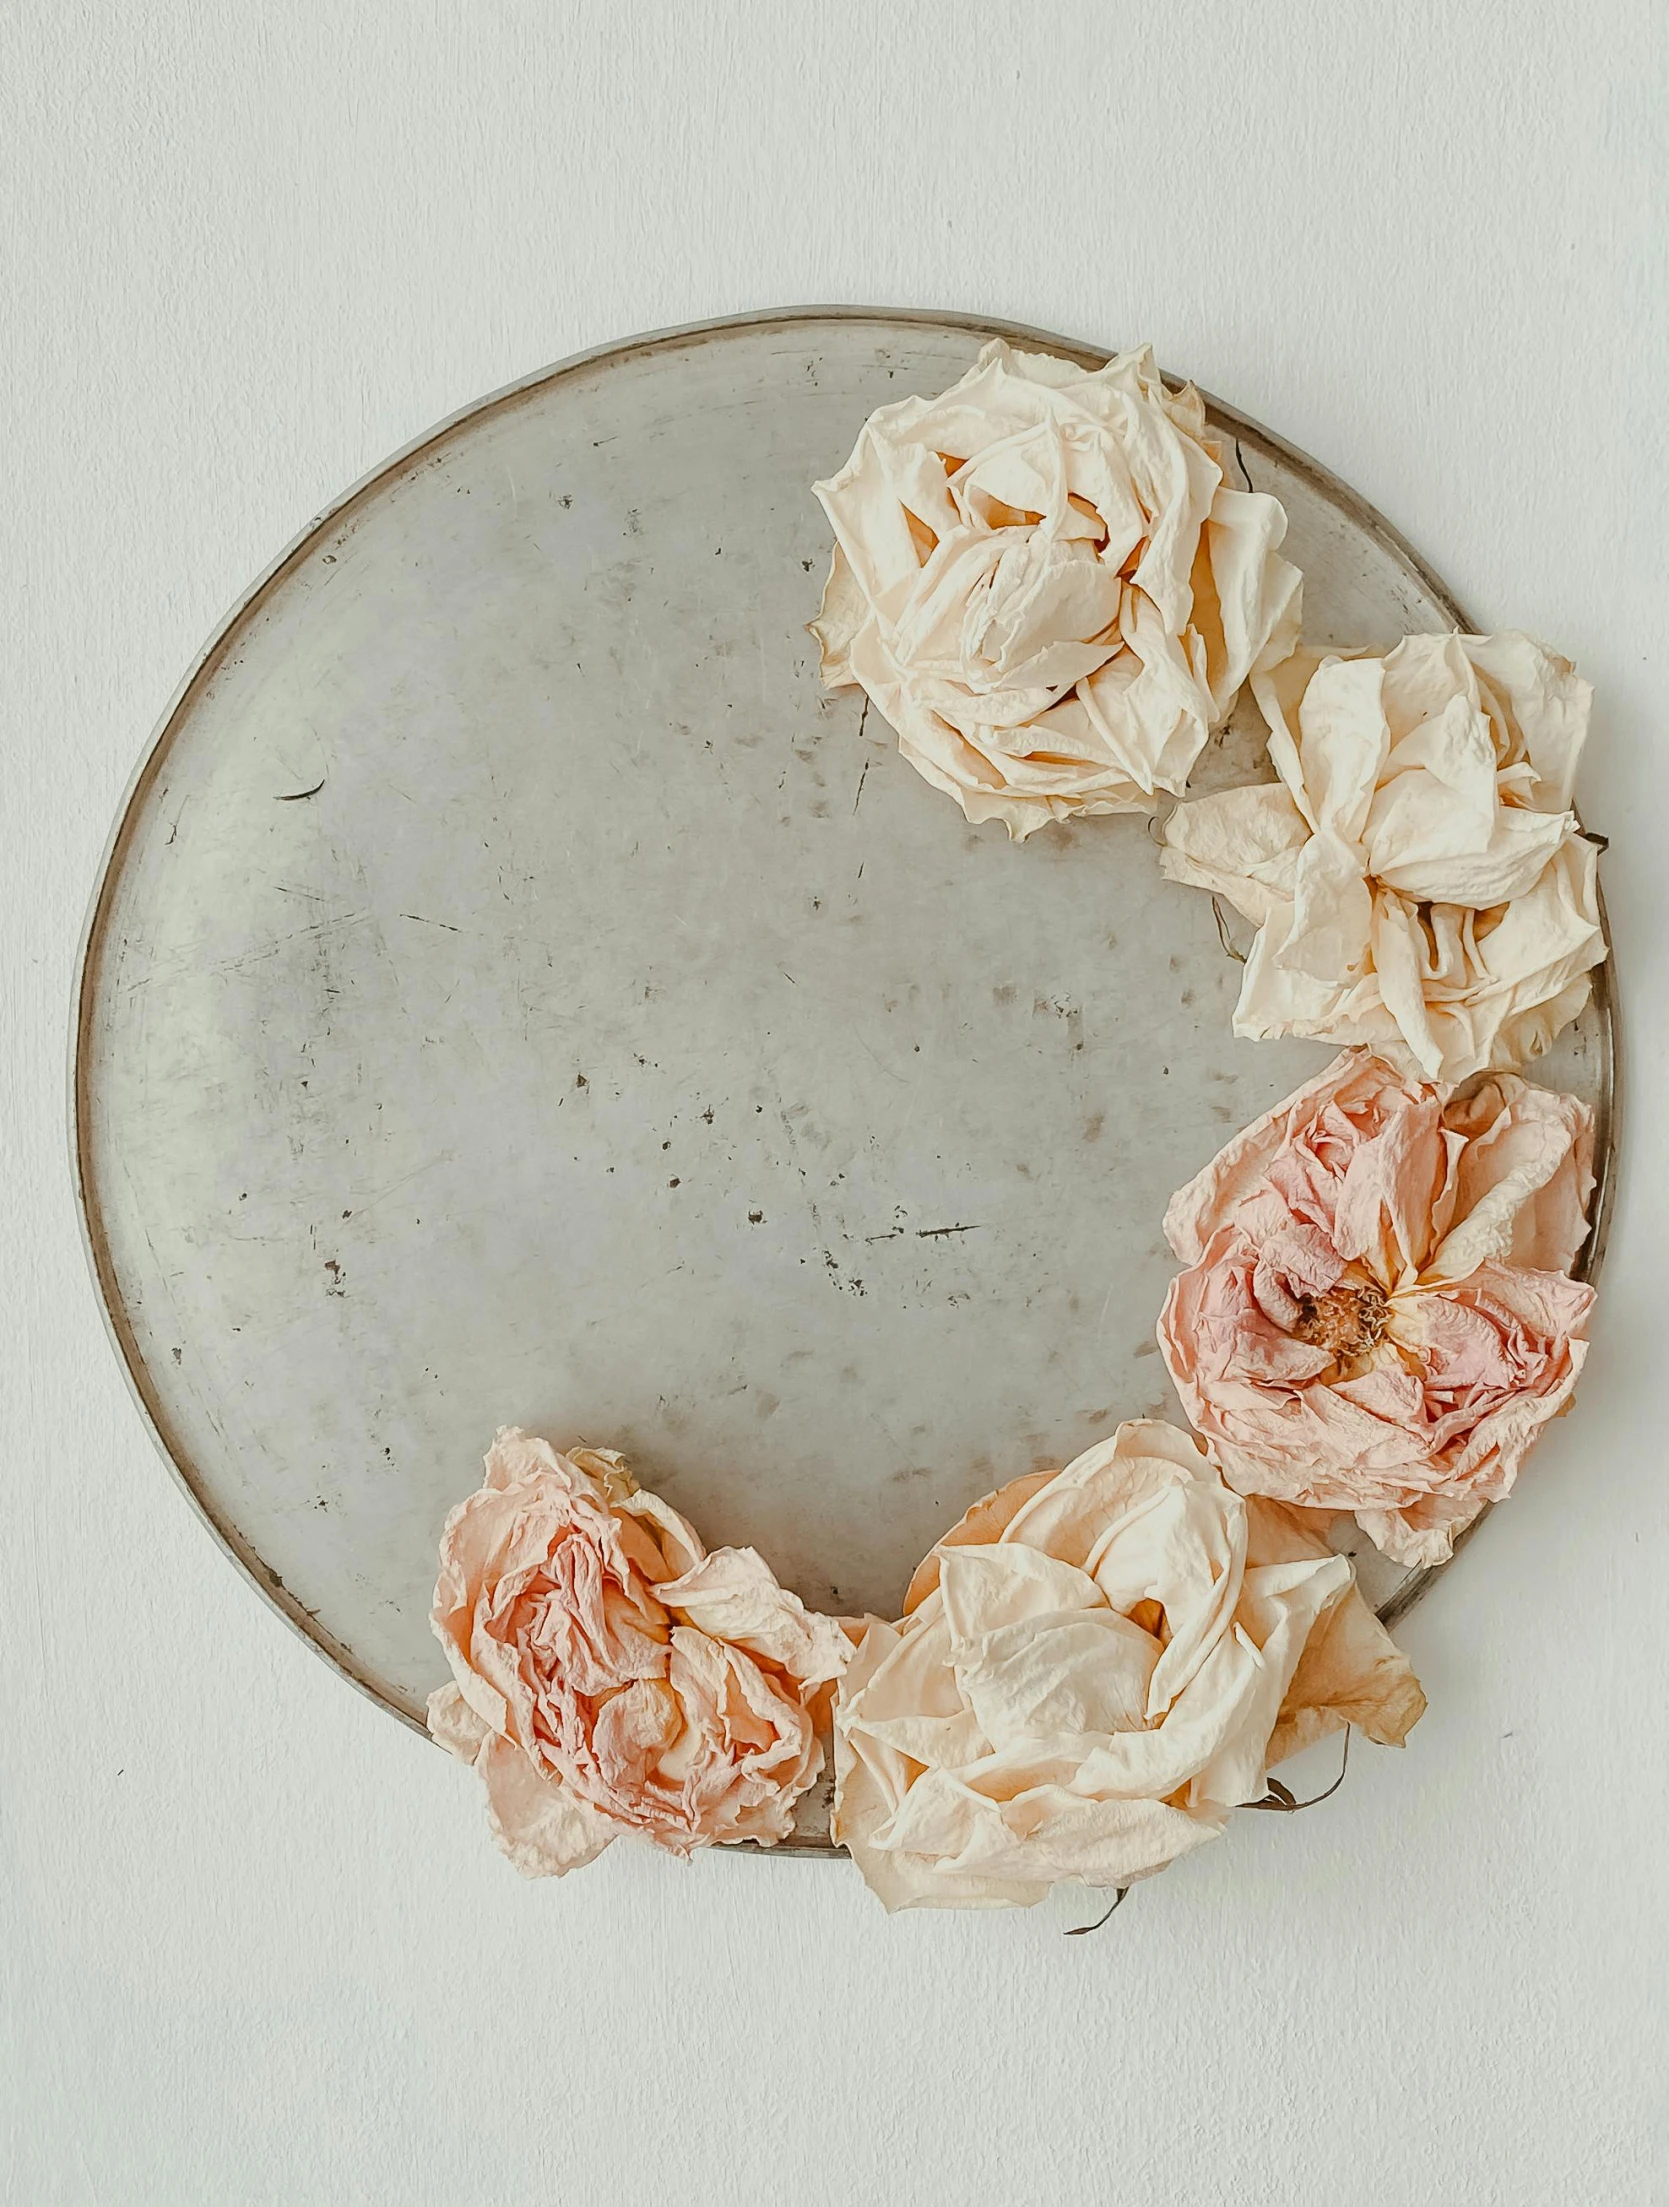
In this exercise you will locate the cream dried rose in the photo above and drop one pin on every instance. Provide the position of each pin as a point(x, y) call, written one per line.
point(1100, 1665)
point(1043, 581)
point(1417, 877)
point(1377, 1313)
point(609, 1675)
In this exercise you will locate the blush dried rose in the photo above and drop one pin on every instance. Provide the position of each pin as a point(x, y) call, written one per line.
point(1377, 1313)
point(609, 1675)
point(1096, 1666)
point(1043, 581)
point(1417, 877)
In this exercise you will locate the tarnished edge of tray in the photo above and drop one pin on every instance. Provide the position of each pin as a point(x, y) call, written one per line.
point(155, 758)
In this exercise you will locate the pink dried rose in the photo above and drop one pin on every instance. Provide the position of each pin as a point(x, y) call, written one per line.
point(1377, 1313)
point(609, 1675)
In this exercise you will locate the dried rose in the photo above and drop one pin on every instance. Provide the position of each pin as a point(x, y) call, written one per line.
point(1377, 1313)
point(609, 1675)
point(1418, 879)
point(1098, 1667)
point(1043, 581)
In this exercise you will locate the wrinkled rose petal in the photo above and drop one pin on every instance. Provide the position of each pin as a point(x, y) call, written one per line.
point(1103, 1663)
point(1416, 876)
point(1377, 1313)
point(609, 1675)
point(1042, 581)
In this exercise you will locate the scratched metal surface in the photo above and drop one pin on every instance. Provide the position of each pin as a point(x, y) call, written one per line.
point(518, 994)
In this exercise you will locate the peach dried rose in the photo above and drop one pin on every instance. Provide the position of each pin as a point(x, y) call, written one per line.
point(1043, 581)
point(1377, 1313)
point(1096, 1678)
point(610, 1675)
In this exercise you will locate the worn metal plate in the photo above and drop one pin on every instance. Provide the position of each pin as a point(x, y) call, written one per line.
point(517, 993)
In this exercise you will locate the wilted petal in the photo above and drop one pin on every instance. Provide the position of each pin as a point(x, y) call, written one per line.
point(1351, 1671)
point(544, 1828)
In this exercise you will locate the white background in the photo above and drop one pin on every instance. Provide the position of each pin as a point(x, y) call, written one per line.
point(255, 1942)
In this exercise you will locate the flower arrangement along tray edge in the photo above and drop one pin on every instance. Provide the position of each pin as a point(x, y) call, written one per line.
point(154, 765)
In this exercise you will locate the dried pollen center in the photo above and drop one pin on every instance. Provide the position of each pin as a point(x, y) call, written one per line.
point(1348, 1322)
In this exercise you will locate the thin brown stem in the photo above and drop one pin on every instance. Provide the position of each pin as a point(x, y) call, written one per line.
point(1279, 1797)
point(1083, 1930)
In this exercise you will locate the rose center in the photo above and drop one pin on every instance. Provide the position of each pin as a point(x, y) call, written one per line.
point(1150, 1615)
point(1347, 1321)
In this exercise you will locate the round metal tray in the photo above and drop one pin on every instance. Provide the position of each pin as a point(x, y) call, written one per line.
point(517, 993)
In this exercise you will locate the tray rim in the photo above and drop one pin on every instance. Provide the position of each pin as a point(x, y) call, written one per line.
point(153, 759)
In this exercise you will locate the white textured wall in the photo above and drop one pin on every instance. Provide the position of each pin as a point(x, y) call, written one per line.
point(255, 1943)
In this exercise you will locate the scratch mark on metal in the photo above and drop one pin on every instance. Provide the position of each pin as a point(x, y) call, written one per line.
point(370, 1203)
point(901, 1078)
